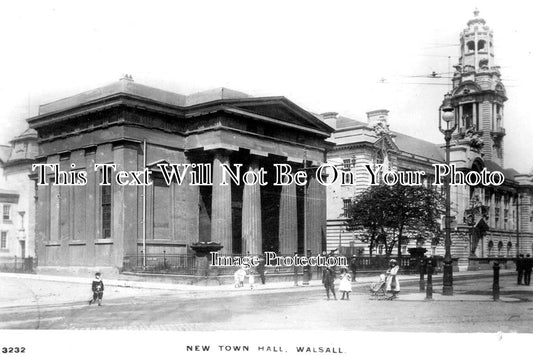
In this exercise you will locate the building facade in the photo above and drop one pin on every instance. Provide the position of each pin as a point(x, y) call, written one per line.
point(17, 198)
point(488, 221)
point(135, 127)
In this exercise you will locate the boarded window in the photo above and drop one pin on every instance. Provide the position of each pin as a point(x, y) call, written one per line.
point(162, 208)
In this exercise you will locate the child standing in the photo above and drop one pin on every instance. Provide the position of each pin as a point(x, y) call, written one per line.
point(98, 289)
point(346, 284)
point(328, 279)
point(251, 278)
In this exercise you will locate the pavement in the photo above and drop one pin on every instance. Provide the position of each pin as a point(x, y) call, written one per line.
point(32, 302)
point(200, 291)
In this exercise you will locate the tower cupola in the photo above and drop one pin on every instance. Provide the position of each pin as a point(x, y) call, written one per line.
point(478, 94)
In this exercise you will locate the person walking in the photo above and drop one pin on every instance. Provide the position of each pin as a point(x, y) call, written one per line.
point(528, 266)
point(261, 269)
point(353, 266)
point(392, 281)
point(345, 285)
point(328, 279)
point(520, 268)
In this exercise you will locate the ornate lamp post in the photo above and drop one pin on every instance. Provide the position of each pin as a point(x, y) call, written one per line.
point(447, 125)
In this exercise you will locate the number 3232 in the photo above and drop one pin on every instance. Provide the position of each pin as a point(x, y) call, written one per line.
point(13, 349)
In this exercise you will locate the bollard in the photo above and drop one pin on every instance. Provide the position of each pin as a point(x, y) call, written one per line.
point(429, 287)
point(295, 272)
point(496, 282)
point(421, 284)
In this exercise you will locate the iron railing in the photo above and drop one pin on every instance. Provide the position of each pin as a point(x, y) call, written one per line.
point(179, 263)
point(16, 264)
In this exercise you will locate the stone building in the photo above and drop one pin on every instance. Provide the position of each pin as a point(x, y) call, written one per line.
point(489, 221)
point(134, 127)
point(17, 198)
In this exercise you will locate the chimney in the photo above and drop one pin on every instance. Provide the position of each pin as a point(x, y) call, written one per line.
point(378, 116)
point(127, 77)
point(330, 118)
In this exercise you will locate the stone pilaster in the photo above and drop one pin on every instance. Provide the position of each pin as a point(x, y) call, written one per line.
point(221, 229)
point(288, 223)
point(251, 216)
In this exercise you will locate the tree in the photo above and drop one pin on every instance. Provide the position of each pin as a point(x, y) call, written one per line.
point(392, 215)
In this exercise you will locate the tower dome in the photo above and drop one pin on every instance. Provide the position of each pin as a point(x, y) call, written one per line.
point(478, 93)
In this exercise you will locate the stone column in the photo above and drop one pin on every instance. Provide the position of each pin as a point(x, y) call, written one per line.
point(315, 214)
point(288, 221)
point(492, 212)
point(221, 229)
point(251, 216)
point(474, 116)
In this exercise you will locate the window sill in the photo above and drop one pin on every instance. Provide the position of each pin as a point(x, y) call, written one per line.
point(103, 241)
point(77, 242)
point(166, 242)
point(52, 244)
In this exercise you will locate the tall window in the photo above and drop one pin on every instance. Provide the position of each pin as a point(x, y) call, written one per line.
point(6, 212)
point(487, 197)
point(3, 240)
point(380, 160)
point(497, 212)
point(106, 211)
point(505, 218)
point(498, 116)
point(346, 207)
point(505, 212)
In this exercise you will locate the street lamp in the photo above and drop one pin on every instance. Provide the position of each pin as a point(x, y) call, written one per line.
point(447, 125)
point(517, 225)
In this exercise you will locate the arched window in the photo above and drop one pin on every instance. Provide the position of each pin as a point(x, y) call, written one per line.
point(481, 45)
point(379, 157)
point(471, 46)
point(380, 160)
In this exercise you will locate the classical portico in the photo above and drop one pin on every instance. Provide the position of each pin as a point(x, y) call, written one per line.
point(253, 218)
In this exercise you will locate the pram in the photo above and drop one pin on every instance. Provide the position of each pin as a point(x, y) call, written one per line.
point(378, 289)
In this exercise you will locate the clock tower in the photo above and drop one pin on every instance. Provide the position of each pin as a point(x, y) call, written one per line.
point(478, 94)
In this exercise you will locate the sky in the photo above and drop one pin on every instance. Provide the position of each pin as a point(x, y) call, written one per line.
point(344, 56)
